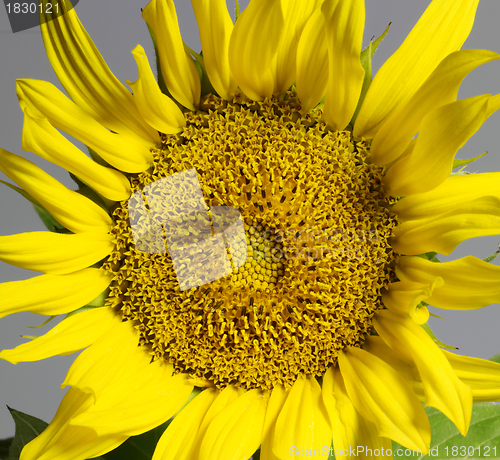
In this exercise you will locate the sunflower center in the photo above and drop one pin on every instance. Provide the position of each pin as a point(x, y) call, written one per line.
point(316, 223)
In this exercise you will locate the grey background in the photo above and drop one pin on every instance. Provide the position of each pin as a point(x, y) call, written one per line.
point(116, 27)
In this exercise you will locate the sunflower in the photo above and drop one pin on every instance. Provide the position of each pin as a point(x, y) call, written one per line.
point(253, 243)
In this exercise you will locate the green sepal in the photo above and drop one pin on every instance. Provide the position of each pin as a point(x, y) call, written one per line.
point(481, 441)
point(159, 74)
point(206, 86)
point(433, 315)
point(236, 10)
point(21, 192)
point(27, 429)
point(49, 220)
point(431, 256)
point(438, 342)
point(43, 324)
point(366, 62)
point(496, 358)
point(493, 256)
point(466, 161)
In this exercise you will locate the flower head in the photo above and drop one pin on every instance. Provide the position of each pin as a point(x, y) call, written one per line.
point(254, 235)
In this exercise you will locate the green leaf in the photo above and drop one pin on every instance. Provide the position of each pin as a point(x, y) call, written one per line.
point(431, 256)
point(206, 86)
point(496, 358)
point(482, 440)
point(138, 447)
point(49, 221)
point(27, 429)
point(21, 192)
point(466, 161)
point(161, 81)
point(4, 447)
point(366, 62)
point(436, 340)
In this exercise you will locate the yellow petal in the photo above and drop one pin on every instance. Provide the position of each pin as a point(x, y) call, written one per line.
point(55, 253)
point(276, 401)
point(156, 108)
point(344, 22)
point(443, 389)
point(178, 439)
point(178, 68)
point(303, 421)
point(235, 433)
point(70, 335)
point(375, 345)
point(87, 78)
point(110, 359)
point(443, 132)
point(403, 297)
point(215, 26)
point(139, 403)
point(71, 209)
point(44, 140)
point(295, 13)
point(53, 294)
point(253, 45)
point(59, 441)
point(381, 395)
point(439, 89)
point(455, 189)
point(442, 29)
point(469, 282)
point(353, 435)
point(40, 99)
point(443, 234)
point(480, 374)
point(312, 62)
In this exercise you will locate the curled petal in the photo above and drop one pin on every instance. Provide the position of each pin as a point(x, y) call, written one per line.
point(156, 108)
point(87, 78)
point(41, 100)
point(403, 297)
point(439, 89)
point(443, 28)
point(443, 132)
point(469, 282)
point(71, 209)
point(177, 66)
